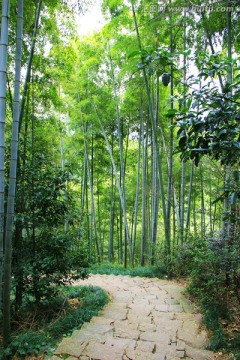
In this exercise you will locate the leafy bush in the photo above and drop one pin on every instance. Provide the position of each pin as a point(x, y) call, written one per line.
point(213, 268)
point(51, 265)
point(43, 253)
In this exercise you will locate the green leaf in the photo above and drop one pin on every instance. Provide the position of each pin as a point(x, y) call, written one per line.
point(150, 71)
point(134, 53)
point(233, 198)
point(141, 66)
point(236, 175)
point(172, 112)
point(236, 144)
point(220, 198)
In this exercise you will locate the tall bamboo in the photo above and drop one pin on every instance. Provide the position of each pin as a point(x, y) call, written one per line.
point(123, 204)
point(12, 179)
point(189, 202)
point(93, 212)
point(155, 139)
point(144, 186)
point(170, 162)
point(155, 182)
point(182, 197)
point(136, 205)
point(3, 87)
point(29, 65)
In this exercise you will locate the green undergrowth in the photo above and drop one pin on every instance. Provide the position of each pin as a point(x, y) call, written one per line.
point(53, 320)
point(213, 270)
point(158, 271)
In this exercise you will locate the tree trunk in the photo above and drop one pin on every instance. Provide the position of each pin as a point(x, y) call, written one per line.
point(111, 227)
point(155, 183)
point(12, 180)
point(66, 224)
point(123, 203)
point(155, 139)
point(203, 211)
point(182, 201)
point(3, 87)
point(93, 213)
point(144, 181)
point(135, 219)
point(29, 66)
point(189, 202)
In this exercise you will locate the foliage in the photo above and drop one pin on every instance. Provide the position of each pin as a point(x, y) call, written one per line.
point(210, 123)
point(141, 271)
point(213, 268)
point(54, 319)
point(47, 255)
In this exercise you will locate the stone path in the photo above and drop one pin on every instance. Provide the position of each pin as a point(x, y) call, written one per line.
point(146, 319)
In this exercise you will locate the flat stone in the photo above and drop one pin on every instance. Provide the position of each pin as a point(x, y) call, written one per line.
point(172, 301)
point(165, 352)
point(162, 308)
point(191, 334)
point(132, 318)
point(175, 308)
point(151, 297)
point(140, 309)
point(180, 354)
point(147, 327)
point(126, 344)
point(92, 332)
point(139, 355)
point(199, 354)
point(116, 307)
point(125, 323)
point(167, 325)
point(98, 328)
point(141, 302)
point(115, 315)
point(123, 331)
point(104, 351)
point(101, 321)
point(163, 315)
point(121, 343)
point(160, 338)
point(187, 306)
point(184, 316)
point(70, 346)
point(86, 336)
point(145, 346)
point(159, 300)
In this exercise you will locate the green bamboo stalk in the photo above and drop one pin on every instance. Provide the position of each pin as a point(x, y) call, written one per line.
point(12, 180)
point(3, 90)
point(93, 212)
point(123, 204)
point(29, 66)
point(155, 139)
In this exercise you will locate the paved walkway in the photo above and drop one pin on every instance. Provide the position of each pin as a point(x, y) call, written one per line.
point(146, 319)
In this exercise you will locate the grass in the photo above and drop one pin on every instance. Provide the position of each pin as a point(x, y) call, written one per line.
point(158, 271)
point(53, 320)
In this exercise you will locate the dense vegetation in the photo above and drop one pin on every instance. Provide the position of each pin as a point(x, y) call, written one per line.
point(120, 146)
point(52, 320)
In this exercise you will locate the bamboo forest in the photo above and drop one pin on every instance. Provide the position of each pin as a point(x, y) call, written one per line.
point(119, 162)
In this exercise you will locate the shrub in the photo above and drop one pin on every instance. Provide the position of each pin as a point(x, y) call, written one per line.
point(54, 319)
